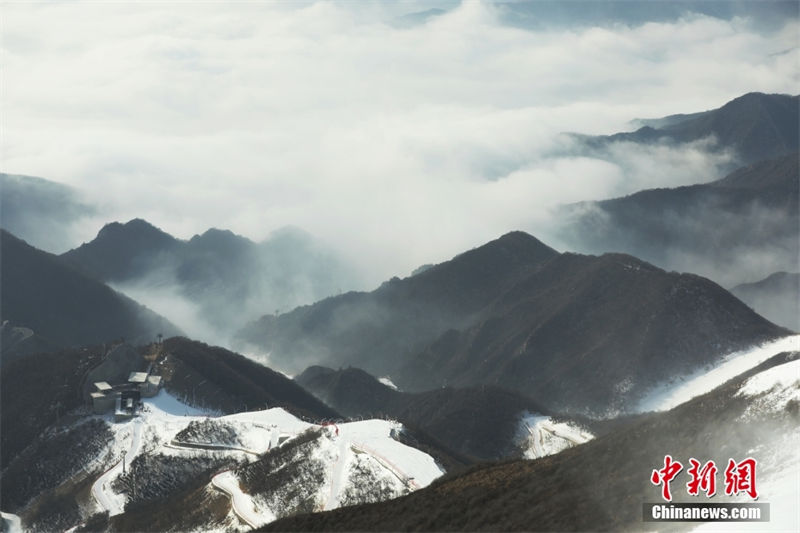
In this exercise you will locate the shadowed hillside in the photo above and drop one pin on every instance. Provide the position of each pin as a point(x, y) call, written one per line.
point(377, 330)
point(226, 278)
point(756, 126)
point(216, 378)
point(579, 333)
point(561, 492)
point(64, 306)
point(738, 228)
point(776, 297)
point(481, 422)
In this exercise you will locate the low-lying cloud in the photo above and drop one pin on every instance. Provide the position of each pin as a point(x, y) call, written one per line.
point(398, 145)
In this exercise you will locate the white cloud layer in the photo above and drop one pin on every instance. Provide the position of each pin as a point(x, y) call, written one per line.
point(399, 145)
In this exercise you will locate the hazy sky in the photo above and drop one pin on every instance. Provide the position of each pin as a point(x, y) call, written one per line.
point(399, 143)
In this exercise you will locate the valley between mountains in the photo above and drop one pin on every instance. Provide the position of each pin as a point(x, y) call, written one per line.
point(532, 382)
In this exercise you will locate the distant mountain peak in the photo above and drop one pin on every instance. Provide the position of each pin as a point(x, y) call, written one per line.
point(512, 245)
point(136, 226)
point(757, 126)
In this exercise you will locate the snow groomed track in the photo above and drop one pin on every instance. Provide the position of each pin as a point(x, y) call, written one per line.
point(163, 417)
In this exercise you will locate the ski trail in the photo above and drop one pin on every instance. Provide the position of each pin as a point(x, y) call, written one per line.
point(241, 503)
point(108, 500)
point(337, 475)
point(404, 478)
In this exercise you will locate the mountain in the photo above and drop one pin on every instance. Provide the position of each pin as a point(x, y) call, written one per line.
point(37, 389)
point(376, 330)
point(756, 126)
point(602, 485)
point(41, 212)
point(63, 306)
point(731, 230)
point(122, 251)
point(217, 379)
point(479, 423)
point(582, 334)
point(223, 430)
point(776, 297)
point(223, 278)
point(590, 334)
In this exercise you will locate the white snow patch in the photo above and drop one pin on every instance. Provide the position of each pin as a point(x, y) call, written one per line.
point(542, 436)
point(778, 485)
point(773, 388)
point(386, 380)
point(101, 489)
point(242, 504)
point(11, 523)
point(166, 404)
point(163, 416)
point(778, 478)
point(672, 394)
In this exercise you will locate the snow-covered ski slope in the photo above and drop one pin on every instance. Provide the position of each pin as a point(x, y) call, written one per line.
point(778, 457)
point(366, 448)
point(541, 436)
point(676, 392)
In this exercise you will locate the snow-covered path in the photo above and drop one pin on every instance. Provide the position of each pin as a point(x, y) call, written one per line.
point(407, 480)
point(337, 476)
point(108, 500)
point(546, 437)
point(670, 395)
point(241, 503)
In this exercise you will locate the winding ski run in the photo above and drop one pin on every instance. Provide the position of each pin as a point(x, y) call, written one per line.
point(108, 500)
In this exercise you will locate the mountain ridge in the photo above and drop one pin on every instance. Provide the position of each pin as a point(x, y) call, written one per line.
point(63, 305)
point(542, 316)
point(757, 126)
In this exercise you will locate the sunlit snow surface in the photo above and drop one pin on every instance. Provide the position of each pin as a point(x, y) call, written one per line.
point(368, 444)
point(779, 457)
point(774, 388)
point(386, 380)
point(669, 395)
point(11, 523)
point(542, 436)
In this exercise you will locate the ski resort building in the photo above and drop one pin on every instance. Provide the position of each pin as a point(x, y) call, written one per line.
point(151, 386)
point(124, 398)
point(102, 402)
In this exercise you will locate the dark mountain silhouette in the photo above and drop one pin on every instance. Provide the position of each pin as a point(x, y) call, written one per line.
point(228, 277)
point(598, 486)
point(579, 333)
point(757, 126)
point(16, 341)
point(590, 334)
point(64, 306)
point(36, 391)
point(216, 378)
point(731, 230)
point(122, 251)
point(41, 212)
point(776, 297)
point(479, 422)
point(377, 330)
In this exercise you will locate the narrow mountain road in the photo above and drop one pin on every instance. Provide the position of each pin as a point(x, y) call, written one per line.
point(209, 447)
point(101, 490)
point(241, 503)
point(541, 428)
point(407, 480)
